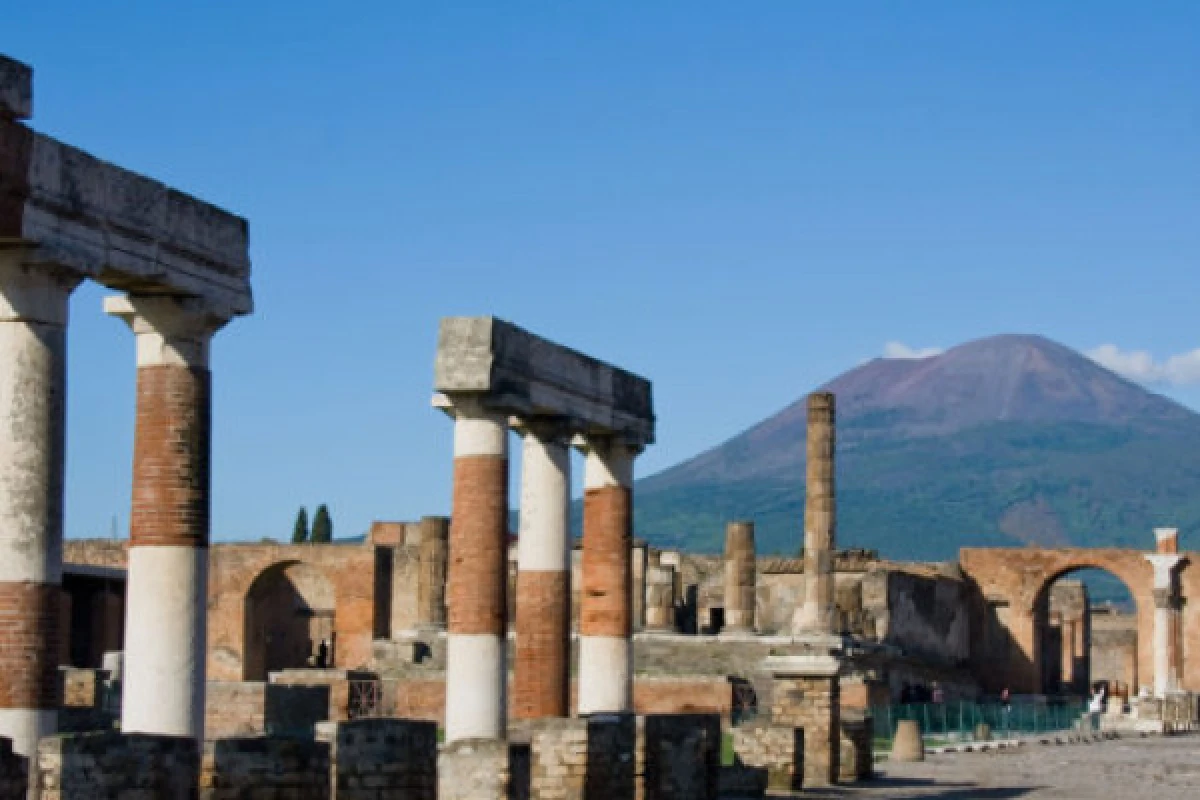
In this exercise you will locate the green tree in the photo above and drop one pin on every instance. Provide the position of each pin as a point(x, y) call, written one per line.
point(322, 529)
point(300, 529)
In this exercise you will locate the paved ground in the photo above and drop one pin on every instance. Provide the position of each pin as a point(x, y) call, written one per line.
point(1155, 768)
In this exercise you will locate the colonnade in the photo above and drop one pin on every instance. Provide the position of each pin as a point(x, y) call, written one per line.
point(169, 521)
point(1167, 647)
point(476, 668)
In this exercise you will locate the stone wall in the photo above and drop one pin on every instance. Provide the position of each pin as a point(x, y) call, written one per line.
point(112, 553)
point(1113, 650)
point(13, 772)
point(775, 748)
point(382, 759)
point(856, 762)
point(679, 756)
point(247, 769)
point(574, 759)
point(925, 614)
point(813, 705)
point(254, 708)
point(473, 769)
point(86, 766)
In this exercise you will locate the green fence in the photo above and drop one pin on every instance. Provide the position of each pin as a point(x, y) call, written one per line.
point(957, 720)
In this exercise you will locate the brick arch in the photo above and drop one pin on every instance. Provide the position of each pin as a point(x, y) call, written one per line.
point(233, 571)
point(288, 614)
point(1010, 583)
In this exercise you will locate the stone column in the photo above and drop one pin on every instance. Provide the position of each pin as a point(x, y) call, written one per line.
point(167, 593)
point(817, 614)
point(660, 598)
point(431, 576)
point(477, 575)
point(605, 624)
point(637, 588)
point(33, 351)
point(1166, 609)
point(739, 576)
point(541, 678)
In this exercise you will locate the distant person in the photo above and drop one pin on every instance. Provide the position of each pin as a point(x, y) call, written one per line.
point(1005, 699)
point(323, 654)
point(939, 696)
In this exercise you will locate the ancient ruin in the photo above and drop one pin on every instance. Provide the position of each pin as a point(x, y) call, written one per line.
point(552, 666)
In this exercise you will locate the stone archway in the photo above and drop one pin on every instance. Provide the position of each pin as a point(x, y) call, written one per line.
point(1078, 647)
point(288, 613)
point(1012, 582)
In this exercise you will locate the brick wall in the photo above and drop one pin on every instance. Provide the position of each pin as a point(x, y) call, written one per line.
point(93, 765)
point(234, 709)
point(812, 704)
point(232, 769)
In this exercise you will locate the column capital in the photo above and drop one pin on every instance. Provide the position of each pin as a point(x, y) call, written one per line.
point(1164, 568)
point(170, 331)
point(34, 293)
point(550, 429)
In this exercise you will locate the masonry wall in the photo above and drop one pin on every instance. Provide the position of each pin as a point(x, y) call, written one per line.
point(375, 759)
point(101, 765)
point(924, 613)
point(233, 769)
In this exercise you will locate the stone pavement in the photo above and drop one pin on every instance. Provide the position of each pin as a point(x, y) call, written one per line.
point(1158, 767)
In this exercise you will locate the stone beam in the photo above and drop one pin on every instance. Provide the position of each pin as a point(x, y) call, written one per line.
point(66, 208)
point(519, 373)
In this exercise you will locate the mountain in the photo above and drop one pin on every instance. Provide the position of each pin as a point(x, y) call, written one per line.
point(1003, 441)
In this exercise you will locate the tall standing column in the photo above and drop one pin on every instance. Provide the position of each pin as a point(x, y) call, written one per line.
point(33, 319)
point(543, 621)
point(739, 576)
point(167, 593)
point(431, 578)
point(605, 620)
point(817, 613)
point(477, 575)
point(1166, 606)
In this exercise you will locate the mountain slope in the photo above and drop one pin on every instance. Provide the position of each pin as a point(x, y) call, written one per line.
point(1001, 441)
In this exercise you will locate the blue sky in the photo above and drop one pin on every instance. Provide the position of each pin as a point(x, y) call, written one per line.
point(738, 201)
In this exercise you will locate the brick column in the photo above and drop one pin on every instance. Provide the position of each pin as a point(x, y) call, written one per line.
point(167, 594)
point(543, 619)
point(605, 620)
point(739, 576)
point(806, 694)
point(33, 319)
point(817, 613)
point(477, 575)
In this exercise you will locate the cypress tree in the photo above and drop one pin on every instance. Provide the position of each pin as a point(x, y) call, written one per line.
point(322, 529)
point(300, 529)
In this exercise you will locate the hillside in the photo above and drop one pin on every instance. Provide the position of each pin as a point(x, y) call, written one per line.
point(1002, 441)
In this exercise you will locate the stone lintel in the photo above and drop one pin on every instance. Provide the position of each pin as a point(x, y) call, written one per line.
point(16, 89)
point(119, 228)
point(803, 666)
point(525, 375)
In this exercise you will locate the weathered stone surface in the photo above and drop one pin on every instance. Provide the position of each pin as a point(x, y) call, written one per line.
point(525, 374)
point(100, 765)
point(473, 769)
point(16, 89)
point(777, 749)
point(247, 769)
point(681, 756)
point(383, 759)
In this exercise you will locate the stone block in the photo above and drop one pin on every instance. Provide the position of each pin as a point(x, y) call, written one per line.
point(16, 89)
point(681, 756)
point(473, 769)
point(262, 767)
point(111, 764)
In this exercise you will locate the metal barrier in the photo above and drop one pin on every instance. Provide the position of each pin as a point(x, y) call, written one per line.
point(955, 721)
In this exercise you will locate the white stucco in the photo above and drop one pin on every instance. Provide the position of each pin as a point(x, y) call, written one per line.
point(165, 641)
point(544, 542)
point(1164, 565)
point(168, 331)
point(605, 674)
point(26, 726)
point(1162, 651)
point(607, 462)
point(32, 421)
point(479, 431)
point(476, 672)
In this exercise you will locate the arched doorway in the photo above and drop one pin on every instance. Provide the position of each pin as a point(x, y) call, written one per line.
point(289, 612)
point(1086, 630)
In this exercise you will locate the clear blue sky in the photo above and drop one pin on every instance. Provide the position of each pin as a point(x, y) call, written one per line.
point(738, 201)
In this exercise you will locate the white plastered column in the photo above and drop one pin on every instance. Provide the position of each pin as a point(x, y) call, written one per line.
point(1165, 606)
point(33, 319)
point(605, 636)
point(163, 690)
point(476, 656)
